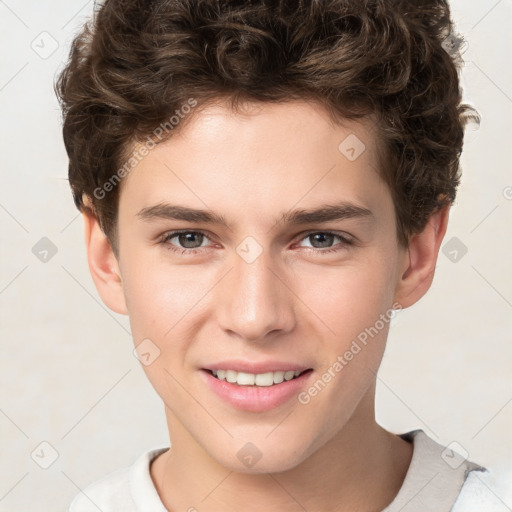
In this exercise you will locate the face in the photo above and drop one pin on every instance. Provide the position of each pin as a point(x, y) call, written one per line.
point(290, 259)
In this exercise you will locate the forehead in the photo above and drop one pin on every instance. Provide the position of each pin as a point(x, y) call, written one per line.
point(278, 127)
point(263, 155)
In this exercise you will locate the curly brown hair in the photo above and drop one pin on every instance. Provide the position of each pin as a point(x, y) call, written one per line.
point(137, 63)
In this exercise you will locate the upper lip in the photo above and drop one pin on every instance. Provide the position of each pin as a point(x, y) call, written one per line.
point(256, 368)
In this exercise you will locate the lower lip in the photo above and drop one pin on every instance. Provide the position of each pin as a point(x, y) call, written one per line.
point(256, 398)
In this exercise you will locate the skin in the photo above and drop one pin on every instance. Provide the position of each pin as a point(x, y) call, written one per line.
point(291, 304)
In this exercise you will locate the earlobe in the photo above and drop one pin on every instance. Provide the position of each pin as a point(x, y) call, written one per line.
point(422, 256)
point(103, 265)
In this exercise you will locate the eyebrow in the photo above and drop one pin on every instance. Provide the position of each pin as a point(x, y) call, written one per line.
point(324, 213)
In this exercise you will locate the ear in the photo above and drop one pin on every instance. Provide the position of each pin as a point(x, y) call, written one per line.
point(103, 265)
point(420, 259)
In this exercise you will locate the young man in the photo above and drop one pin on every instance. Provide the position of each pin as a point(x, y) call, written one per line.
point(264, 184)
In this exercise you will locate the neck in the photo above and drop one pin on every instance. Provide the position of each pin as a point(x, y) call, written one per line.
point(362, 456)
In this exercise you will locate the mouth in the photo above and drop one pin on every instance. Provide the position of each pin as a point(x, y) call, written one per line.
point(257, 392)
point(266, 379)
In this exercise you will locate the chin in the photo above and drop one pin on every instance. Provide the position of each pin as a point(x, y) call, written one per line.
point(261, 457)
point(270, 465)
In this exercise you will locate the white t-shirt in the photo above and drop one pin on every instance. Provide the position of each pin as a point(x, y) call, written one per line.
point(438, 480)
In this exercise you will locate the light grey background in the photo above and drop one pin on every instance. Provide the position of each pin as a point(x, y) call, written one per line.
point(68, 376)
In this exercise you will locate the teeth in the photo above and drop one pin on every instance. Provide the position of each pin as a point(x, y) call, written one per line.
point(251, 379)
point(278, 377)
point(245, 379)
point(231, 376)
point(264, 379)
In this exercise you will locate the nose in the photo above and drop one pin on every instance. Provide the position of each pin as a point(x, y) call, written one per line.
point(254, 302)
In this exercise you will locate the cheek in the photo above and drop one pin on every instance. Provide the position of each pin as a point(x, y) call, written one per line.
point(162, 305)
point(347, 299)
point(156, 291)
point(353, 308)
point(169, 305)
point(158, 300)
point(355, 304)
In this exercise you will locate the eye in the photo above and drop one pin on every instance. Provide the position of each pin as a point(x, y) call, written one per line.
point(323, 240)
point(190, 241)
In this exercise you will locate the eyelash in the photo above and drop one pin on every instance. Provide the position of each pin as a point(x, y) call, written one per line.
point(345, 241)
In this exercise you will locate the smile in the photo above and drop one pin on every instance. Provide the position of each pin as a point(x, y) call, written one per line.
point(257, 392)
point(261, 379)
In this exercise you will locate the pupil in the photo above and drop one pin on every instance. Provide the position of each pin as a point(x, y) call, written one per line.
point(323, 235)
point(185, 239)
